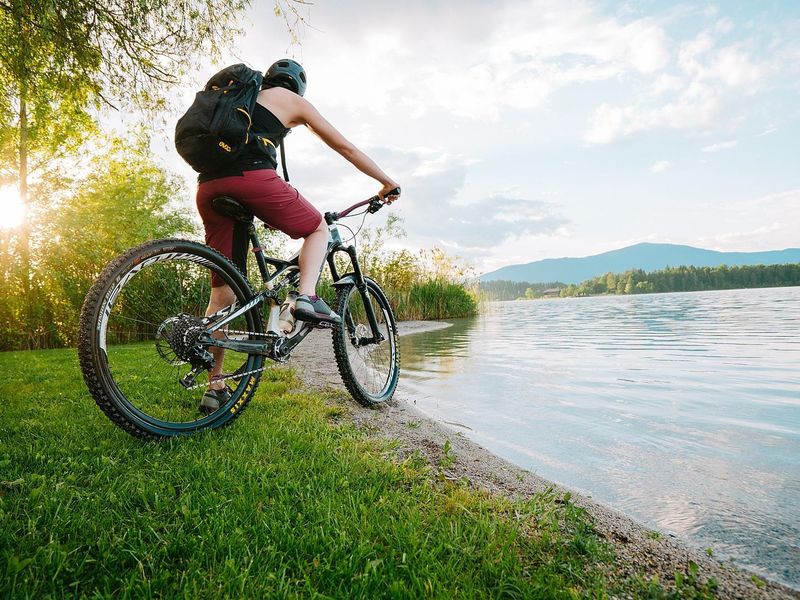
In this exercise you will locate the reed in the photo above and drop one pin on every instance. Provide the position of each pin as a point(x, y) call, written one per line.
point(420, 301)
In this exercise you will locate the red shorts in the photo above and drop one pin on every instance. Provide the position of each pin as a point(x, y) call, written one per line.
point(267, 196)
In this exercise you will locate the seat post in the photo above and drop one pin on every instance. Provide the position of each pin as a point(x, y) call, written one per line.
point(262, 264)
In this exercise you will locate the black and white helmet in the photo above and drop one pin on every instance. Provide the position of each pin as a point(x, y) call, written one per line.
point(287, 73)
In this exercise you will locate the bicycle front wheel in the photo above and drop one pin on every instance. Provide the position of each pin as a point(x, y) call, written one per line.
point(139, 345)
point(369, 364)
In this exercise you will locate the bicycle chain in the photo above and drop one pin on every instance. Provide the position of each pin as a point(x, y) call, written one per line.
point(235, 375)
point(251, 333)
point(231, 376)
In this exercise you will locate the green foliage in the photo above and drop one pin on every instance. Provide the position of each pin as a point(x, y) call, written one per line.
point(688, 279)
point(429, 284)
point(514, 290)
point(47, 92)
point(637, 281)
point(130, 49)
point(123, 201)
point(688, 585)
point(284, 503)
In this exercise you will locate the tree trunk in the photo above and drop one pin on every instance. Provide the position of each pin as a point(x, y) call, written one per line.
point(25, 230)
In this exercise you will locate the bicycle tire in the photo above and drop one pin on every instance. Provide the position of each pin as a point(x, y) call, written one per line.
point(136, 298)
point(370, 372)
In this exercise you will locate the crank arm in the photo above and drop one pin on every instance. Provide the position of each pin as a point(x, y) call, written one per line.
point(290, 343)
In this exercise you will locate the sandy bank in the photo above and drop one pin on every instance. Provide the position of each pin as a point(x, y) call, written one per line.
point(638, 549)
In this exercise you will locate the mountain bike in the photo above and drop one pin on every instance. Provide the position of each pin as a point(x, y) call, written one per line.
point(144, 339)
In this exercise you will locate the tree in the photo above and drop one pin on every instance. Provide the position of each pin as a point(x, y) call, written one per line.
point(125, 200)
point(60, 60)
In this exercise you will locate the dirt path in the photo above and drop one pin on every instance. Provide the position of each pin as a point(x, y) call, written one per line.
point(639, 549)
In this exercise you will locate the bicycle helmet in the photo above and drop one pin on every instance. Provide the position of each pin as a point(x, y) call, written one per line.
point(287, 73)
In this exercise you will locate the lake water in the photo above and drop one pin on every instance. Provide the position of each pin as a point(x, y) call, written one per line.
point(680, 410)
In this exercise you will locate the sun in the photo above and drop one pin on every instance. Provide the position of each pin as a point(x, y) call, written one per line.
point(12, 210)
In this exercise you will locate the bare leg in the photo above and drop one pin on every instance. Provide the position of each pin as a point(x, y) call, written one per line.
point(311, 256)
point(221, 297)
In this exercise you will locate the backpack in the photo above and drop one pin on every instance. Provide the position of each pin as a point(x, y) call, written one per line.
point(215, 130)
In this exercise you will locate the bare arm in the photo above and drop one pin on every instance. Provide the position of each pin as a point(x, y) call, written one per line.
point(311, 117)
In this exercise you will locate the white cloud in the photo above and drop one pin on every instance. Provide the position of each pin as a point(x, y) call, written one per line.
point(606, 124)
point(492, 57)
point(693, 96)
point(660, 166)
point(689, 53)
point(430, 89)
point(765, 223)
point(724, 26)
point(665, 83)
point(736, 68)
point(721, 146)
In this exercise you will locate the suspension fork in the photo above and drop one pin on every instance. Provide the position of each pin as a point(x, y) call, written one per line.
point(361, 286)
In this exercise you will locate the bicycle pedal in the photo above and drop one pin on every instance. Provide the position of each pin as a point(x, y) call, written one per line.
point(324, 325)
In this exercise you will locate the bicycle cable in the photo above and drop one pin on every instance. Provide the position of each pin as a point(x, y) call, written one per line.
point(360, 227)
point(253, 333)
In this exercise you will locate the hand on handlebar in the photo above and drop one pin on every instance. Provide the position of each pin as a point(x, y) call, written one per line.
point(389, 192)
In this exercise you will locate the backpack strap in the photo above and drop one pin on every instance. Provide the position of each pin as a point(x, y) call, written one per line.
point(283, 160)
point(286, 132)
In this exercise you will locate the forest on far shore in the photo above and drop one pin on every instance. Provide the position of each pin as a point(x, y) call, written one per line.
point(637, 281)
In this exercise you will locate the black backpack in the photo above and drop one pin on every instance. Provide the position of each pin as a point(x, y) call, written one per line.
point(215, 130)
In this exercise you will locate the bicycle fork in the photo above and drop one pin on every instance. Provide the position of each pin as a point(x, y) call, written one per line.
point(357, 277)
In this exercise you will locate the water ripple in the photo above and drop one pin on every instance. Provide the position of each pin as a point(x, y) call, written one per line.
point(682, 410)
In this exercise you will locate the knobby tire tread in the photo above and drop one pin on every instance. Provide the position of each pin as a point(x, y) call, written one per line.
point(341, 341)
point(88, 353)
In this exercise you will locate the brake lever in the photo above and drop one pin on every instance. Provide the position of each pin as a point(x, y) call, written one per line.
point(375, 203)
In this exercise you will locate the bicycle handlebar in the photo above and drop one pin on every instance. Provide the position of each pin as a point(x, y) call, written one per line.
point(375, 204)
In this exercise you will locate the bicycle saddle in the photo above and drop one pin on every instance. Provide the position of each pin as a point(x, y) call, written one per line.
point(228, 207)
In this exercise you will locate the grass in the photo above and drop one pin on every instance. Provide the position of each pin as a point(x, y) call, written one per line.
point(422, 301)
point(291, 500)
point(433, 300)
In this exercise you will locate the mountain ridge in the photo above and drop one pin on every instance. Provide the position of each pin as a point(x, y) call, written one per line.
point(647, 256)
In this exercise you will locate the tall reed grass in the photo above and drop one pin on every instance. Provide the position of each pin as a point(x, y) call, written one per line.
point(421, 285)
point(420, 301)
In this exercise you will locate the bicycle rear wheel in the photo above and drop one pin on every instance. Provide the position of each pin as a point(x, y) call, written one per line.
point(370, 367)
point(138, 340)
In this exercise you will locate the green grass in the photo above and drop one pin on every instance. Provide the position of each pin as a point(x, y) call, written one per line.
point(433, 300)
point(422, 301)
point(291, 500)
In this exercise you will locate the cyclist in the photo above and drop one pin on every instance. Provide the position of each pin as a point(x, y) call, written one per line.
point(254, 182)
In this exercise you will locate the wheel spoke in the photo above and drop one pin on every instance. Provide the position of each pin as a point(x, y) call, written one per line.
point(151, 322)
point(370, 370)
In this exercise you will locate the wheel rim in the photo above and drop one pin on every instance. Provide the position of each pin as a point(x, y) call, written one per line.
point(372, 365)
point(146, 354)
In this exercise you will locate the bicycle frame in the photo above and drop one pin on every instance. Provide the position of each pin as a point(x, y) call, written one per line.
point(278, 345)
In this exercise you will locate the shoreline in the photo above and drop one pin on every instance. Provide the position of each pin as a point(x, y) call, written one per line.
point(639, 550)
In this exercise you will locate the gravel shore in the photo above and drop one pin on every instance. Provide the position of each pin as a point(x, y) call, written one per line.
point(639, 550)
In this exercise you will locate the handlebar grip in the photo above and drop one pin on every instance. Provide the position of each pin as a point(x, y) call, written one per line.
point(377, 197)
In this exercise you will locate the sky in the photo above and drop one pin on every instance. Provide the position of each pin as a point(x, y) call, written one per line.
point(525, 130)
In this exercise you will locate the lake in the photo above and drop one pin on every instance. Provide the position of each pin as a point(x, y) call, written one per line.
point(680, 410)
